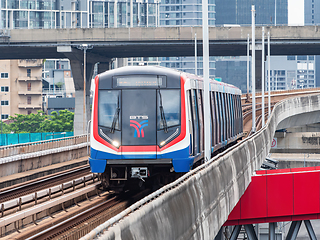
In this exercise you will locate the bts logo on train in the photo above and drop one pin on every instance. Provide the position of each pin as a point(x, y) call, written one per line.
point(138, 126)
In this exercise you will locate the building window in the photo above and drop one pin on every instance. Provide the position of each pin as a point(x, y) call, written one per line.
point(4, 116)
point(302, 57)
point(29, 86)
point(291, 57)
point(4, 89)
point(4, 103)
point(29, 100)
point(29, 72)
point(4, 75)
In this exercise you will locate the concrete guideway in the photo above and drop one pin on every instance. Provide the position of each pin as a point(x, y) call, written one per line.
point(199, 203)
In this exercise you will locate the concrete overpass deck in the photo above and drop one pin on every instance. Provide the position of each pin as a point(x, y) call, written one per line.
point(153, 42)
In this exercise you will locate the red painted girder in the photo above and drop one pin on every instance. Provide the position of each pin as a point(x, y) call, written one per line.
point(279, 195)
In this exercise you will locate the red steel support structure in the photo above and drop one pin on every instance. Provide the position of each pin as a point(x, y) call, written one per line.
point(279, 196)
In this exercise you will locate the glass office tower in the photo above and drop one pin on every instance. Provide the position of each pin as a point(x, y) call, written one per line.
point(186, 13)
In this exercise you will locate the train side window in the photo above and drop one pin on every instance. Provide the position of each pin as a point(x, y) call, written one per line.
point(201, 120)
point(230, 115)
point(240, 113)
point(224, 117)
point(237, 115)
point(218, 128)
point(196, 138)
point(231, 110)
point(221, 117)
point(227, 114)
point(233, 115)
point(213, 119)
point(191, 122)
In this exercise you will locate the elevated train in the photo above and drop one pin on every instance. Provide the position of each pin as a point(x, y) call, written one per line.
point(147, 124)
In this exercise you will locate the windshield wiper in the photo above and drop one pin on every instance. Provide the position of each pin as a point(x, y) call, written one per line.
point(115, 117)
point(162, 116)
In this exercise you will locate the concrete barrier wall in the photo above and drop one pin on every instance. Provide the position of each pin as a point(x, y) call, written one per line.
point(25, 157)
point(13, 150)
point(197, 205)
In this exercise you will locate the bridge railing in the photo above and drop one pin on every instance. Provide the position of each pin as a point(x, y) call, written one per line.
point(16, 149)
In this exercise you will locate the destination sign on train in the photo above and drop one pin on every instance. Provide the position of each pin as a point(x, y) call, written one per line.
point(140, 81)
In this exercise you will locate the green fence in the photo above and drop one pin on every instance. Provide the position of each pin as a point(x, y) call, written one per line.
point(17, 138)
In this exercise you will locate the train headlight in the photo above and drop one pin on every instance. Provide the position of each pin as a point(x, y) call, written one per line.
point(115, 143)
point(162, 143)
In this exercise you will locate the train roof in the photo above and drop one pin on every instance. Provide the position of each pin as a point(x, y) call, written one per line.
point(159, 70)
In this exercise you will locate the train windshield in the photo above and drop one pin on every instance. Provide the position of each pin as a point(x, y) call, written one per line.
point(109, 108)
point(169, 100)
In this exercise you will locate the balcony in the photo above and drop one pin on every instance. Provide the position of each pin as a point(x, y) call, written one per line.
point(35, 92)
point(31, 78)
point(29, 106)
point(29, 63)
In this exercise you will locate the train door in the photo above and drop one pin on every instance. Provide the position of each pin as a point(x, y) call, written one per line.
point(139, 122)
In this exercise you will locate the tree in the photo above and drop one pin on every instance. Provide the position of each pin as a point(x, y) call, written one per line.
point(29, 123)
point(57, 122)
point(62, 122)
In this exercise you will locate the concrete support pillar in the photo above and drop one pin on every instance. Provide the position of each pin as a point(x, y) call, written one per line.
point(122, 62)
point(293, 231)
point(103, 66)
point(272, 231)
point(77, 71)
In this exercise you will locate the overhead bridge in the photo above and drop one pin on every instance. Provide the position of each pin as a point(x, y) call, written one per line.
point(284, 195)
point(198, 204)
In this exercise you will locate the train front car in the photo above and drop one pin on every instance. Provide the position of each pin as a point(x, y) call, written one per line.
point(139, 126)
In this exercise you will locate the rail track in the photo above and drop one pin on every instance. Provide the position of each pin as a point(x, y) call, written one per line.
point(65, 205)
point(77, 226)
point(47, 181)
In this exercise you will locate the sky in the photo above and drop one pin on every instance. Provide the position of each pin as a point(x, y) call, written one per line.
point(295, 12)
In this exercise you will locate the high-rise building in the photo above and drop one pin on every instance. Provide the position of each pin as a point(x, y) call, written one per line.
point(312, 17)
point(287, 72)
point(268, 12)
point(186, 13)
point(78, 14)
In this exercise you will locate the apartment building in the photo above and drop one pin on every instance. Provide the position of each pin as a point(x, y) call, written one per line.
point(21, 87)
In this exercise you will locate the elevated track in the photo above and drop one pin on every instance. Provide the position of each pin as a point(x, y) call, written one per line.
point(225, 177)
